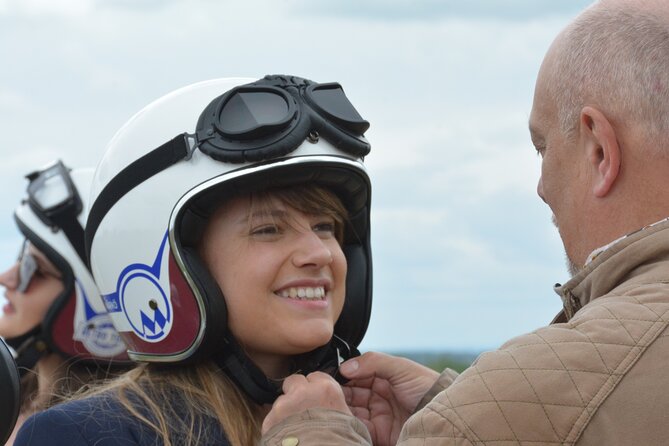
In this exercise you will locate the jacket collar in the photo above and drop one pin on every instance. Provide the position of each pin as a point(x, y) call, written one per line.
point(626, 263)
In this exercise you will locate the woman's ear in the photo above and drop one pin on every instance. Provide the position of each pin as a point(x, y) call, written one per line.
point(602, 149)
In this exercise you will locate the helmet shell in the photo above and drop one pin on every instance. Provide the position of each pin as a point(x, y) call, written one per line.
point(76, 324)
point(162, 300)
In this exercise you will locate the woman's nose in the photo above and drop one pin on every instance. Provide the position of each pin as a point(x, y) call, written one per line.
point(10, 278)
point(311, 250)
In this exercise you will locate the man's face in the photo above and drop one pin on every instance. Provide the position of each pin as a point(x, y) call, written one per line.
point(562, 184)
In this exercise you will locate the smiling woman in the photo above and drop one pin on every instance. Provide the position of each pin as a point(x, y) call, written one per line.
point(279, 263)
point(229, 256)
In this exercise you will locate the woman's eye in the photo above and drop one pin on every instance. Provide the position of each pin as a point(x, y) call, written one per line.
point(325, 227)
point(265, 230)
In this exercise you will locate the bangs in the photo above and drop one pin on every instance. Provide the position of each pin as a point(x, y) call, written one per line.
point(310, 199)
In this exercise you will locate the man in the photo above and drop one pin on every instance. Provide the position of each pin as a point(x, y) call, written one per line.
point(598, 374)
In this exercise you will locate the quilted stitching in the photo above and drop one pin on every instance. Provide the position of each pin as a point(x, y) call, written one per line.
point(509, 397)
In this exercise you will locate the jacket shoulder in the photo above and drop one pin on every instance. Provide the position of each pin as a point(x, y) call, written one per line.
point(545, 386)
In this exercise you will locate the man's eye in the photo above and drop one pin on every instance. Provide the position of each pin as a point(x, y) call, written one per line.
point(540, 150)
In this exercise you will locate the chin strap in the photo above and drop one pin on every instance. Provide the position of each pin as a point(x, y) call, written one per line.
point(263, 390)
point(27, 349)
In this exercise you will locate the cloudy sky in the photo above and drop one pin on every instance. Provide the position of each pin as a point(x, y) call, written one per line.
point(465, 255)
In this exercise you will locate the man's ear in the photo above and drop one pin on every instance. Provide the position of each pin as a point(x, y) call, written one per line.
point(602, 149)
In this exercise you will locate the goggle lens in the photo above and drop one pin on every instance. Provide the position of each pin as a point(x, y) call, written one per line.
point(331, 101)
point(253, 114)
point(51, 192)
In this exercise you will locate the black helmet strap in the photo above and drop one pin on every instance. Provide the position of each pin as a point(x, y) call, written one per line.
point(263, 390)
point(28, 349)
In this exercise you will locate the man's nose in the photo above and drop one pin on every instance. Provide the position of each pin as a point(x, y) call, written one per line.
point(540, 189)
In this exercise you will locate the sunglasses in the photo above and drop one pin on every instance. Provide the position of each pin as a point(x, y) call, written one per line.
point(27, 267)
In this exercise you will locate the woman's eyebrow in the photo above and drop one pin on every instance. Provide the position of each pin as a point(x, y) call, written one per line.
point(274, 213)
point(46, 265)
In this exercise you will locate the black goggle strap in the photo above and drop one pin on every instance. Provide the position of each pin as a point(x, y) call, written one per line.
point(67, 221)
point(157, 160)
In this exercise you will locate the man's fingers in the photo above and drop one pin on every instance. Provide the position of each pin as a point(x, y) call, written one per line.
point(357, 396)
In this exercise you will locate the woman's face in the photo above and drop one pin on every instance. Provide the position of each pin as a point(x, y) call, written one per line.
point(283, 275)
point(25, 310)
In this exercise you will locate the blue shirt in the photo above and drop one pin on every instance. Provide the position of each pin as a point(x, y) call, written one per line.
point(101, 421)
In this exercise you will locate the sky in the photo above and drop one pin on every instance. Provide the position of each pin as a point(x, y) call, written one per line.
point(465, 254)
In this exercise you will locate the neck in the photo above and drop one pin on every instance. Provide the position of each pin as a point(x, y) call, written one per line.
point(49, 370)
point(273, 366)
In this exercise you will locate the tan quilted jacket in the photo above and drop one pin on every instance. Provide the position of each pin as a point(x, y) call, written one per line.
point(599, 375)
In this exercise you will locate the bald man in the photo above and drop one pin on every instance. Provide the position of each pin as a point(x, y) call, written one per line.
point(599, 373)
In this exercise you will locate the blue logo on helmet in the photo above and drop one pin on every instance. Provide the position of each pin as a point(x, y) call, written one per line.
point(140, 296)
point(95, 330)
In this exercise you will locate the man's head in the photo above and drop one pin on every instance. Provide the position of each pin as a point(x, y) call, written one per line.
point(600, 121)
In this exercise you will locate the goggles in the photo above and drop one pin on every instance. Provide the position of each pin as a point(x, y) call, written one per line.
point(273, 116)
point(27, 267)
point(259, 121)
point(53, 198)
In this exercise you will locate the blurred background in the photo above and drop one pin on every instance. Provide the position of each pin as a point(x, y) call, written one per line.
point(465, 255)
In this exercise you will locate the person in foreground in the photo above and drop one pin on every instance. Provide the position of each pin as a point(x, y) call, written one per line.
point(228, 257)
point(61, 336)
point(597, 374)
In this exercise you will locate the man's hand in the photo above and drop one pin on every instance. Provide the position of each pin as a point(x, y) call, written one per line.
point(383, 392)
point(306, 392)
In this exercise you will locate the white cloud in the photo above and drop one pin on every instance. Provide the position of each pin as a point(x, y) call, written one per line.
point(66, 8)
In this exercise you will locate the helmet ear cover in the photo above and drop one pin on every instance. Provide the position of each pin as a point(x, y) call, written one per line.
point(352, 189)
point(216, 327)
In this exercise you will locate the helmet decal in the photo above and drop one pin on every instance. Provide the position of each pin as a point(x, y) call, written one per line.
point(141, 297)
point(95, 330)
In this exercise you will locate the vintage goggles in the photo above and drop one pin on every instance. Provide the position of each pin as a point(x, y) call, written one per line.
point(27, 267)
point(53, 197)
point(273, 116)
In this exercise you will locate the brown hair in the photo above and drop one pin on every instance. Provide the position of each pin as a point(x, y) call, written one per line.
point(308, 199)
point(176, 401)
point(71, 377)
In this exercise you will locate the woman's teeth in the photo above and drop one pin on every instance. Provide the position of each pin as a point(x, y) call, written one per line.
point(303, 293)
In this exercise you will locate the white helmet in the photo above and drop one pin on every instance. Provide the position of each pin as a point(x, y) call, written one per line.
point(76, 324)
point(172, 163)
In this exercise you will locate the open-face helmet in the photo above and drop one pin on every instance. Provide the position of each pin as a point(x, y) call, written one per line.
point(76, 324)
point(172, 164)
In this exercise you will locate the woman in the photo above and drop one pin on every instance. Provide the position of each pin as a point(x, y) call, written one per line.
point(53, 318)
point(228, 257)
